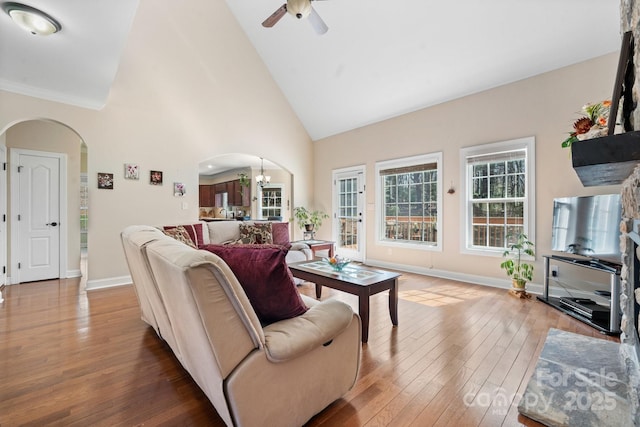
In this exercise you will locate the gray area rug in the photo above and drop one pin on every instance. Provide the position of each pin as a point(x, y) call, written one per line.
point(578, 381)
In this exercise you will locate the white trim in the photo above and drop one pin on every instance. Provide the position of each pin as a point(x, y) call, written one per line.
point(534, 288)
point(52, 95)
point(14, 155)
point(3, 211)
point(436, 157)
point(526, 143)
point(109, 282)
point(72, 274)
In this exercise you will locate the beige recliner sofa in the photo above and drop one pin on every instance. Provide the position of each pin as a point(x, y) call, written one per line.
point(280, 374)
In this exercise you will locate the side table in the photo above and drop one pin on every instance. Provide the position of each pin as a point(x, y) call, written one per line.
point(319, 245)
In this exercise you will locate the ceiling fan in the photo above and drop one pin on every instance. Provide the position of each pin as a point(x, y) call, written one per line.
point(300, 9)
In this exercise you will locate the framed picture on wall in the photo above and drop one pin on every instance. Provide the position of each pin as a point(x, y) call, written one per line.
point(131, 171)
point(155, 177)
point(178, 189)
point(105, 181)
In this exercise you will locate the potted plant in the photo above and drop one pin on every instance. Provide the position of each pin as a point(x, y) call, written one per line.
point(593, 123)
point(307, 219)
point(520, 272)
point(244, 180)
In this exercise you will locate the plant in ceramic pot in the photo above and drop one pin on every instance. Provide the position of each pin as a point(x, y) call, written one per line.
point(520, 271)
point(307, 219)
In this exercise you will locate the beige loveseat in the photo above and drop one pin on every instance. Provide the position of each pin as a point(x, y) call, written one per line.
point(281, 374)
point(219, 232)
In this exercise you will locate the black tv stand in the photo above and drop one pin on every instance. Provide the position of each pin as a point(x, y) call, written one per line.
point(608, 319)
point(590, 262)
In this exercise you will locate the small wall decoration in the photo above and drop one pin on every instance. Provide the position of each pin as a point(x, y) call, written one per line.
point(178, 189)
point(105, 181)
point(155, 177)
point(131, 171)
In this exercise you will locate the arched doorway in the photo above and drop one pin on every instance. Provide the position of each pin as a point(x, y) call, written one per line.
point(50, 139)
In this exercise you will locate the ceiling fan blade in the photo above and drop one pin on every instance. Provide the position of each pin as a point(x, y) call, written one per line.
point(275, 16)
point(317, 23)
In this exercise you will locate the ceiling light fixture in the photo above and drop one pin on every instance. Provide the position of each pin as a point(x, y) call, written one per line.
point(262, 179)
point(31, 19)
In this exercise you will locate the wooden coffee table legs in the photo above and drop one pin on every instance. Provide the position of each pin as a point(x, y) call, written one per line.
point(364, 293)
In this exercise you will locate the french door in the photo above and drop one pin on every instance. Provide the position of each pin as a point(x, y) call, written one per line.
point(348, 212)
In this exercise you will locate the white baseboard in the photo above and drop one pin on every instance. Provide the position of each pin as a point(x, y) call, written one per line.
point(533, 288)
point(69, 274)
point(108, 283)
point(73, 273)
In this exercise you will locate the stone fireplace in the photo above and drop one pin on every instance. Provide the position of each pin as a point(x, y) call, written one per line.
point(629, 287)
point(630, 224)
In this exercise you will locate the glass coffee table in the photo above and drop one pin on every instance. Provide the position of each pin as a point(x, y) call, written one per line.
point(354, 279)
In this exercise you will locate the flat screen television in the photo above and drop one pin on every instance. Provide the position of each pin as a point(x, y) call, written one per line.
point(588, 226)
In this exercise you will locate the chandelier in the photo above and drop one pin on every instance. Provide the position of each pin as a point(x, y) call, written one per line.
point(262, 179)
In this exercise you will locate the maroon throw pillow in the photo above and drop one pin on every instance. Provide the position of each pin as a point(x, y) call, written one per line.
point(265, 278)
point(280, 234)
point(194, 231)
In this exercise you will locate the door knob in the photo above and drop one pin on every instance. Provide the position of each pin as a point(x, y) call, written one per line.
point(53, 224)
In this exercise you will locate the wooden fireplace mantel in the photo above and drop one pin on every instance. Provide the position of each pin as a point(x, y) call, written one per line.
point(610, 159)
point(607, 160)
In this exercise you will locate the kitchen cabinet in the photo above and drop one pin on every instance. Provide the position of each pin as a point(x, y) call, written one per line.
point(206, 193)
point(220, 187)
point(241, 195)
point(211, 195)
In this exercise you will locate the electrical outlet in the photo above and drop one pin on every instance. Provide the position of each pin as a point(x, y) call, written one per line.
point(554, 270)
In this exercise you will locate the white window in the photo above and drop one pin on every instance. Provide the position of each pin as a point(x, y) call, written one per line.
point(270, 201)
point(410, 191)
point(498, 186)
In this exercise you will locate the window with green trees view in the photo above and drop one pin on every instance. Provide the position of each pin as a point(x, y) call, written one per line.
point(499, 197)
point(411, 190)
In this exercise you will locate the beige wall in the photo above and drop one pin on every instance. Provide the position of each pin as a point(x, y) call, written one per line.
point(40, 135)
point(190, 86)
point(544, 106)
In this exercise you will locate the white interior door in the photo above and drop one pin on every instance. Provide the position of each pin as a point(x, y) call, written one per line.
point(349, 213)
point(38, 217)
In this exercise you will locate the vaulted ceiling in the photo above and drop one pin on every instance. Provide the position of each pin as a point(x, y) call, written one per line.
point(378, 59)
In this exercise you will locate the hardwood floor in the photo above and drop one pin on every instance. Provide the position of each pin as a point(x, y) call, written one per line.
point(75, 358)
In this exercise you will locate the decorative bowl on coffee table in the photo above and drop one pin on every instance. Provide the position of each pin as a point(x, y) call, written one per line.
point(337, 262)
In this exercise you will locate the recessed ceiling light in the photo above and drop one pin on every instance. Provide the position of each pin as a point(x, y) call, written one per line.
point(31, 19)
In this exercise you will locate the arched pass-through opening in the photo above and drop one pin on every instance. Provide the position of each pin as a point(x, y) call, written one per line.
point(264, 199)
